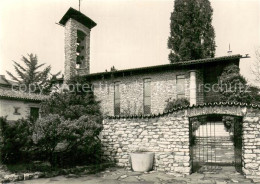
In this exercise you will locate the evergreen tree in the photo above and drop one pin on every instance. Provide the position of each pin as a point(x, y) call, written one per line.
point(31, 75)
point(73, 118)
point(75, 101)
point(192, 35)
point(233, 86)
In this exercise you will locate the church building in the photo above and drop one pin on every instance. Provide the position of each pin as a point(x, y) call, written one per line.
point(144, 90)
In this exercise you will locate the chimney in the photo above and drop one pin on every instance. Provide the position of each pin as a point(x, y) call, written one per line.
point(77, 43)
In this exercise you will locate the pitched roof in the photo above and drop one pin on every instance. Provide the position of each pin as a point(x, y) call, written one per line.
point(6, 82)
point(21, 96)
point(78, 16)
point(172, 66)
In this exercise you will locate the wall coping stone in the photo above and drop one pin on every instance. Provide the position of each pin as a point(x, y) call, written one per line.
point(213, 104)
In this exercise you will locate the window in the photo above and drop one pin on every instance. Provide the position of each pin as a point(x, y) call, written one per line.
point(16, 111)
point(147, 96)
point(180, 82)
point(117, 99)
point(34, 113)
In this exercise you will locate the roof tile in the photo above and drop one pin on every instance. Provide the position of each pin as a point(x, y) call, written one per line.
point(17, 95)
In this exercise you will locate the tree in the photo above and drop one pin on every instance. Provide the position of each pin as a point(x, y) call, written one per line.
point(75, 101)
point(53, 134)
point(48, 133)
point(192, 35)
point(71, 118)
point(233, 86)
point(15, 140)
point(30, 76)
point(255, 93)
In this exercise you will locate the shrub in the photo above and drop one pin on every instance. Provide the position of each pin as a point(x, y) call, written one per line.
point(47, 133)
point(66, 134)
point(16, 140)
point(174, 103)
point(60, 139)
point(69, 128)
point(71, 106)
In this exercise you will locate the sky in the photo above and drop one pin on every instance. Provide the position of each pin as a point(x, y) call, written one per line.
point(129, 33)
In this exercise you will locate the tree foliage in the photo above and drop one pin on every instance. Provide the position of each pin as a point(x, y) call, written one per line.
point(255, 94)
point(16, 140)
point(233, 87)
point(191, 36)
point(75, 101)
point(66, 134)
point(31, 75)
point(174, 103)
point(70, 124)
point(48, 132)
point(55, 134)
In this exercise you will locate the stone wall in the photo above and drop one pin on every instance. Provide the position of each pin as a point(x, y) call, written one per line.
point(168, 136)
point(163, 87)
point(251, 145)
point(71, 28)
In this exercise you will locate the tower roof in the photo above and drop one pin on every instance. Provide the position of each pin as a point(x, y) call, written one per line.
point(78, 16)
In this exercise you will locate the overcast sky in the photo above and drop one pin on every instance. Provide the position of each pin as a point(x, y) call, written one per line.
point(129, 33)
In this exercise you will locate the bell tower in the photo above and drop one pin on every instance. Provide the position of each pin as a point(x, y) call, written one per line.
point(77, 43)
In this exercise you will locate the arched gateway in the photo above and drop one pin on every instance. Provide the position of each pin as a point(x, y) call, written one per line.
point(190, 139)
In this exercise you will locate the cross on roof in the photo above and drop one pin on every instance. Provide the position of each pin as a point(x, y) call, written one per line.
point(79, 5)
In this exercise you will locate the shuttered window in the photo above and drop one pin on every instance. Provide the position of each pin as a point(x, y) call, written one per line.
point(180, 86)
point(147, 96)
point(116, 99)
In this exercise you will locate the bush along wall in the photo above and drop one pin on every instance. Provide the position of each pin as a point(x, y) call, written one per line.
point(62, 143)
point(16, 140)
point(67, 133)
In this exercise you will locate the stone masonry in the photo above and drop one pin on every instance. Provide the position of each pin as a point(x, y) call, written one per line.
point(168, 136)
point(71, 28)
point(163, 87)
point(251, 145)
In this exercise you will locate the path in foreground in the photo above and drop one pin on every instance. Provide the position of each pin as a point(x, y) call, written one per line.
point(119, 175)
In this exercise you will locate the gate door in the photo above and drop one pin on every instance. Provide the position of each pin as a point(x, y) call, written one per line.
point(212, 143)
